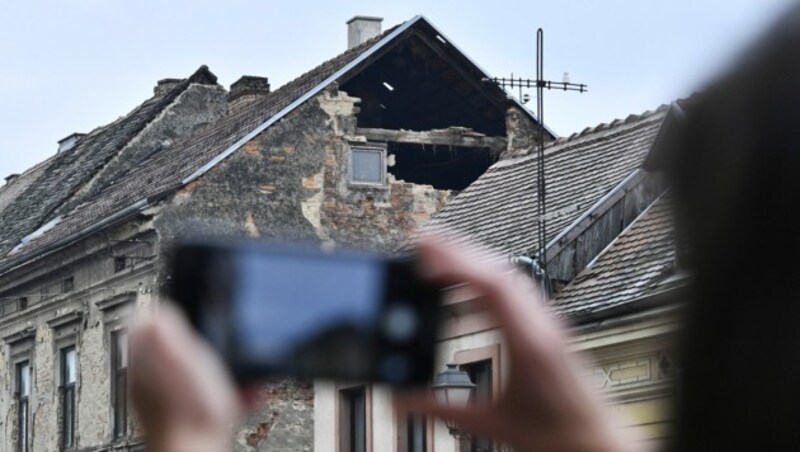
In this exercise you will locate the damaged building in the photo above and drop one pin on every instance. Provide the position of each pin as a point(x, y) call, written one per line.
point(357, 152)
point(617, 284)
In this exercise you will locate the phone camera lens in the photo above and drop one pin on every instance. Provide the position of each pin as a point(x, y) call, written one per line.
point(400, 323)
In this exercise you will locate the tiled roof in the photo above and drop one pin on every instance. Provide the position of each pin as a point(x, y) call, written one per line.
point(161, 173)
point(10, 191)
point(499, 209)
point(633, 264)
point(45, 187)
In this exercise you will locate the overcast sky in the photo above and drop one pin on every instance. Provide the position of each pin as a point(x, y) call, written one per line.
point(72, 65)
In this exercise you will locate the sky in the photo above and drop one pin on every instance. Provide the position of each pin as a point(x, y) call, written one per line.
point(73, 65)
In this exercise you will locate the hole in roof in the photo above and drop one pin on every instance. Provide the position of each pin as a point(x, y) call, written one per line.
point(440, 38)
point(437, 91)
point(388, 86)
point(443, 167)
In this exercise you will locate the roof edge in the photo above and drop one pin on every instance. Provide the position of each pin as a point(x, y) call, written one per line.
point(302, 99)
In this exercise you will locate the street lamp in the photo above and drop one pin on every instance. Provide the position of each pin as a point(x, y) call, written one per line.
point(453, 388)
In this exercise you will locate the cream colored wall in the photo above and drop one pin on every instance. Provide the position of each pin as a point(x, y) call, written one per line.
point(384, 426)
point(324, 416)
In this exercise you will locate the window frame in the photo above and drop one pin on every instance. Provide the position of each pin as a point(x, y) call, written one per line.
point(412, 422)
point(67, 285)
point(119, 385)
point(67, 390)
point(491, 354)
point(22, 400)
point(120, 264)
point(381, 150)
point(344, 422)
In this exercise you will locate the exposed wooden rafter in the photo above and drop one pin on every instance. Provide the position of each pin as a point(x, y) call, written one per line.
point(454, 136)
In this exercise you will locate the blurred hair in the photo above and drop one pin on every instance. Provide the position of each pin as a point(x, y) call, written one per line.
point(736, 182)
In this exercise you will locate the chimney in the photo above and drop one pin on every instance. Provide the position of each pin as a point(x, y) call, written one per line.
point(361, 29)
point(165, 85)
point(11, 178)
point(69, 142)
point(246, 90)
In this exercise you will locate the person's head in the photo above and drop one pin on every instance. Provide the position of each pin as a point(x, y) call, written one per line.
point(736, 184)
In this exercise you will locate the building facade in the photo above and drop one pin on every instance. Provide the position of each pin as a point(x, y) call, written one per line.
point(357, 152)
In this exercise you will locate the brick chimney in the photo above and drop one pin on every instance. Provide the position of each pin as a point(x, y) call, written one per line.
point(361, 29)
point(69, 142)
point(246, 90)
point(165, 85)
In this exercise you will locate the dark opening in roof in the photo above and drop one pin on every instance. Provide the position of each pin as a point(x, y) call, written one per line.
point(422, 84)
point(444, 167)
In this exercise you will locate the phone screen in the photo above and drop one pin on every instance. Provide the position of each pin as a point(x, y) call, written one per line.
point(276, 311)
point(305, 309)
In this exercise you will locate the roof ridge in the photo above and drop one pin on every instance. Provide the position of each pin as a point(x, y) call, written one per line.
point(645, 115)
point(563, 143)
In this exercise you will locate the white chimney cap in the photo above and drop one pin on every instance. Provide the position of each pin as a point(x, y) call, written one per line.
point(361, 29)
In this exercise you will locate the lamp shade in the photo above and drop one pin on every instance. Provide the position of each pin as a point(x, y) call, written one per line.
point(453, 387)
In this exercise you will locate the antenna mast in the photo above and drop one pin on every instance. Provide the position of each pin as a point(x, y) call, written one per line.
point(540, 84)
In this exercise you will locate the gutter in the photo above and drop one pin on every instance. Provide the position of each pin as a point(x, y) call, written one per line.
point(609, 316)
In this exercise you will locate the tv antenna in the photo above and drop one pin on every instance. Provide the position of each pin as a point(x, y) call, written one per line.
point(540, 260)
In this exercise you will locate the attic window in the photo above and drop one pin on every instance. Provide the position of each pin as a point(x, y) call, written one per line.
point(67, 285)
point(367, 166)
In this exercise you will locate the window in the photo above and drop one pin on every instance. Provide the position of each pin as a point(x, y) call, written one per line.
point(23, 303)
point(416, 430)
point(69, 377)
point(481, 374)
point(353, 420)
point(23, 393)
point(367, 166)
point(119, 382)
point(67, 285)
point(120, 263)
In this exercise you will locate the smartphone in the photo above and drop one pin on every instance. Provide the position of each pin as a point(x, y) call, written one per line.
point(276, 311)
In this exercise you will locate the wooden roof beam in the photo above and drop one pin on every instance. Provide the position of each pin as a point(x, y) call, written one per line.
point(453, 136)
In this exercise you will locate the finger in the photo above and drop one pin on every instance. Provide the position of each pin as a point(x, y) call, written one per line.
point(174, 366)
